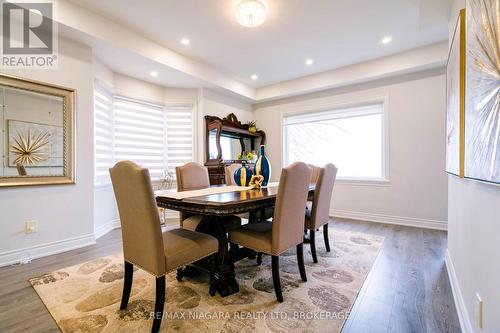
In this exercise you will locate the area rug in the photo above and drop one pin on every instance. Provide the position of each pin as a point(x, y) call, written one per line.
point(86, 297)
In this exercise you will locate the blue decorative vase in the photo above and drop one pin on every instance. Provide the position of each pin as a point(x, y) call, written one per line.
point(242, 176)
point(263, 167)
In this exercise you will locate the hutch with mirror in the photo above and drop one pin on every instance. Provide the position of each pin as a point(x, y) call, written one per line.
point(228, 141)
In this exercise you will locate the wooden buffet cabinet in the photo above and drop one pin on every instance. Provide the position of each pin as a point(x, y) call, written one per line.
point(224, 139)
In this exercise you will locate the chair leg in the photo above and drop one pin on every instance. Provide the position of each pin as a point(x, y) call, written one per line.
point(213, 266)
point(127, 284)
point(325, 236)
point(312, 241)
point(159, 303)
point(276, 278)
point(180, 274)
point(259, 258)
point(300, 261)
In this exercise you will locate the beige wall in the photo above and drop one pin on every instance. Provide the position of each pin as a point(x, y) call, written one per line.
point(474, 244)
point(417, 191)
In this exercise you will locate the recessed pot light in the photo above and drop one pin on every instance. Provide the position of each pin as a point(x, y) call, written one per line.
point(254, 77)
point(309, 62)
point(386, 40)
point(153, 73)
point(185, 41)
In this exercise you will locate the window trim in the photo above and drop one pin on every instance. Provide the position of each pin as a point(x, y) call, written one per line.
point(340, 106)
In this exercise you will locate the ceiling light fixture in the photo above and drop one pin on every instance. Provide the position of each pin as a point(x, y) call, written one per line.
point(250, 13)
point(309, 62)
point(153, 74)
point(254, 77)
point(386, 40)
point(185, 41)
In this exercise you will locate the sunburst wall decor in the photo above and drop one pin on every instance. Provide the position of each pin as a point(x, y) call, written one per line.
point(482, 106)
point(30, 147)
point(34, 144)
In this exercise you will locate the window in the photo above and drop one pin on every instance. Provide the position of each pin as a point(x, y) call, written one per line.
point(148, 134)
point(103, 134)
point(180, 135)
point(140, 134)
point(352, 138)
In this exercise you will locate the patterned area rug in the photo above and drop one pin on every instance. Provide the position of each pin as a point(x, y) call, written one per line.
point(86, 297)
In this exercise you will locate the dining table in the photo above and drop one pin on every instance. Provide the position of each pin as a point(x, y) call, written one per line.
point(219, 201)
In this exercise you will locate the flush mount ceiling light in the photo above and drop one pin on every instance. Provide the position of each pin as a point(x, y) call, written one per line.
point(153, 73)
point(386, 40)
point(309, 62)
point(250, 13)
point(254, 77)
point(185, 41)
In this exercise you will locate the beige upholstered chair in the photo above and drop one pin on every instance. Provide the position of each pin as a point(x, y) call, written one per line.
point(318, 211)
point(286, 230)
point(229, 171)
point(314, 173)
point(144, 243)
point(194, 176)
point(191, 176)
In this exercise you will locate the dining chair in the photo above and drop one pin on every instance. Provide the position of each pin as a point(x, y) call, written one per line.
point(318, 211)
point(286, 230)
point(144, 243)
point(229, 171)
point(194, 176)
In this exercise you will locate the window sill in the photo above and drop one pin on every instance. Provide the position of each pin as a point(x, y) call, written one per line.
point(363, 182)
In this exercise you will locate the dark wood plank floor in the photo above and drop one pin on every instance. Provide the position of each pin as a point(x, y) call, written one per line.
point(406, 291)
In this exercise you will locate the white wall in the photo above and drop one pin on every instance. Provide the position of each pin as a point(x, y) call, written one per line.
point(64, 212)
point(474, 245)
point(417, 190)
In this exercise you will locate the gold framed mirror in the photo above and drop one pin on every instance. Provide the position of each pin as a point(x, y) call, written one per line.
point(37, 142)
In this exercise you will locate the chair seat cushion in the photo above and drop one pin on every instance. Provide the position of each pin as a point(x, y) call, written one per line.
point(183, 247)
point(230, 222)
point(255, 236)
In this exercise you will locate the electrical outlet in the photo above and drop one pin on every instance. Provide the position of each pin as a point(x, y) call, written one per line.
point(479, 307)
point(30, 227)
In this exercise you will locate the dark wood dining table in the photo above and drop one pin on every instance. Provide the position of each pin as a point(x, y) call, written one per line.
point(214, 207)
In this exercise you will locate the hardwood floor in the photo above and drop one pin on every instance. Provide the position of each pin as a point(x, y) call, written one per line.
point(407, 290)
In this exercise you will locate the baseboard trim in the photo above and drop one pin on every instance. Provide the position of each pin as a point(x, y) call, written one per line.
point(105, 228)
point(390, 219)
point(43, 250)
point(463, 315)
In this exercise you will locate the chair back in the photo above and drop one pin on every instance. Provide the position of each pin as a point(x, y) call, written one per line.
point(191, 176)
point(139, 218)
point(288, 221)
point(229, 171)
point(315, 173)
point(320, 213)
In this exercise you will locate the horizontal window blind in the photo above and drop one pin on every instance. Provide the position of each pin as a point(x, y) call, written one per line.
point(103, 134)
point(139, 134)
point(180, 135)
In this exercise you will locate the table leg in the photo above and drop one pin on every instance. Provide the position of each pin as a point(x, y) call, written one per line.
point(225, 278)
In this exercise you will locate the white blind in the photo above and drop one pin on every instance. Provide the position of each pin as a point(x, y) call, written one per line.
point(139, 132)
point(180, 133)
point(103, 133)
